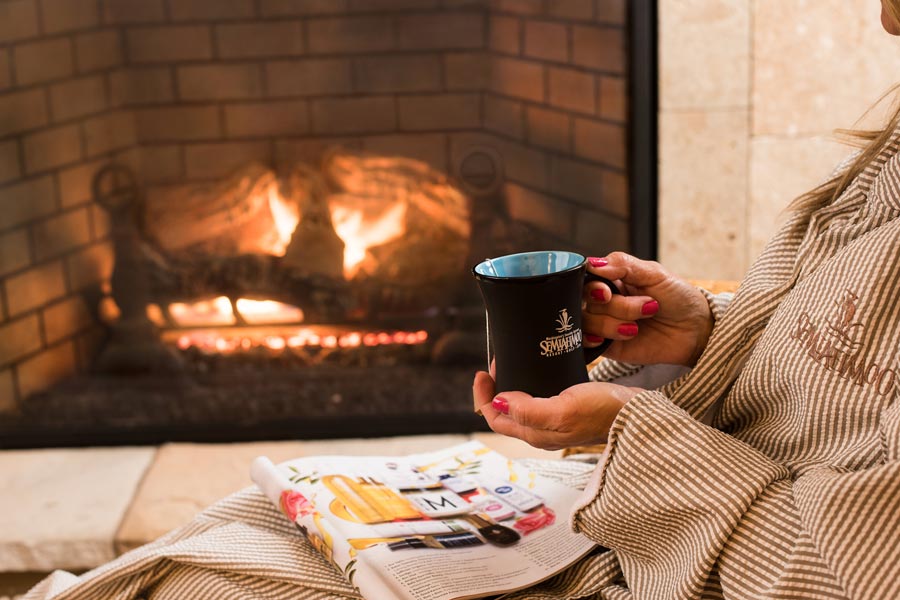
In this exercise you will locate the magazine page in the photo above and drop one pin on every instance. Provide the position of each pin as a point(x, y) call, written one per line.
point(464, 522)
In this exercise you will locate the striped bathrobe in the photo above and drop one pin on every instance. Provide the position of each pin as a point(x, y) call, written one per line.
point(770, 470)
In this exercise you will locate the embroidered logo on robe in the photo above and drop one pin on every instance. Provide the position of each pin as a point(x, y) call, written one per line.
point(835, 343)
point(569, 339)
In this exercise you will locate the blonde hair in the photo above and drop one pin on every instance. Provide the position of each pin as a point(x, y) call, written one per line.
point(871, 143)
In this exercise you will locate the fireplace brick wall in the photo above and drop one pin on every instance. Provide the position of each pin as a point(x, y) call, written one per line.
point(184, 91)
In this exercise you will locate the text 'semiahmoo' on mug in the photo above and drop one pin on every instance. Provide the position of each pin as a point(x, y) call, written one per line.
point(533, 302)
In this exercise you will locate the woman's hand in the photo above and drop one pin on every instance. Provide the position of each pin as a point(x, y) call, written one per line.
point(580, 415)
point(659, 319)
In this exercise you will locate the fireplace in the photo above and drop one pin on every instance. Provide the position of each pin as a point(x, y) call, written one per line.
point(254, 219)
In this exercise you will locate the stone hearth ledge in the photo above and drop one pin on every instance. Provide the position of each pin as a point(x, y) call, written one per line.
point(78, 508)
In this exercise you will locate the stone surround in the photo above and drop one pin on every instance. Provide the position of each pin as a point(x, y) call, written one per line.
point(750, 93)
point(75, 509)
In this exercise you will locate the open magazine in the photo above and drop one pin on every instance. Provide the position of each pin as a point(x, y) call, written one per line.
point(464, 522)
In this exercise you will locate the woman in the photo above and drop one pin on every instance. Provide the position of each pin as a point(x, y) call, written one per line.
point(771, 469)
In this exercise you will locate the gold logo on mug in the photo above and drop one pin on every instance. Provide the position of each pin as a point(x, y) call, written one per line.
point(569, 339)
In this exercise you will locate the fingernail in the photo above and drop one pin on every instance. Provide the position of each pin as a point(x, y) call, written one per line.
point(628, 329)
point(650, 308)
point(598, 262)
point(500, 405)
point(594, 339)
point(598, 294)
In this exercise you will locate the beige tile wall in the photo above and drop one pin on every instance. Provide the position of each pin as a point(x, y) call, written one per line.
point(750, 91)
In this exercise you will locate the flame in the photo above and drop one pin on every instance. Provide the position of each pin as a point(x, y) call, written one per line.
point(258, 312)
point(361, 231)
point(286, 216)
point(205, 312)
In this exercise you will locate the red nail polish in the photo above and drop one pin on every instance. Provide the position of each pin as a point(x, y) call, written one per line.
point(628, 329)
point(598, 262)
point(594, 339)
point(650, 308)
point(598, 294)
point(500, 405)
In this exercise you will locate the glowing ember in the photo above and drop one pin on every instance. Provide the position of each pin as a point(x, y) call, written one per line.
point(260, 312)
point(248, 339)
point(361, 228)
point(205, 312)
point(286, 217)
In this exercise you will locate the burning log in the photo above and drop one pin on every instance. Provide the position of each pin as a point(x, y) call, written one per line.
point(243, 214)
point(315, 248)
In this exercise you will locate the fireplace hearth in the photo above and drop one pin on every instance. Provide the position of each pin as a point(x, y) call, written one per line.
point(256, 219)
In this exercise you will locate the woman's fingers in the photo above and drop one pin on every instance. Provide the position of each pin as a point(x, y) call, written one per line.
point(631, 270)
point(602, 327)
point(482, 391)
point(599, 301)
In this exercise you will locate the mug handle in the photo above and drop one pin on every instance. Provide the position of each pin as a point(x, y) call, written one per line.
point(592, 354)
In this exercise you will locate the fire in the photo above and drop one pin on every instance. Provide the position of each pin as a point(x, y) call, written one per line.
point(286, 216)
point(219, 311)
point(361, 229)
point(258, 312)
point(239, 339)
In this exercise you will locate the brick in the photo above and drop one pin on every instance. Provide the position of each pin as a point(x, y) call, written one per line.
point(613, 99)
point(112, 131)
point(572, 90)
point(549, 129)
point(98, 50)
point(601, 48)
point(75, 183)
point(443, 112)
point(46, 369)
point(90, 266)
point(250, 40)
point(545, 212)
point(466, 71)
point(18, 20)
point(134, 11)
point(546, 40)
point(141, 85)
point(19, 338)
point(601, 142)
point(21, 111)
point(209, 161)
point(43, 61)
point(172, 43)
point(350, 34)
point(77, 97)
point(354, 115)
point(270, 119)
point(583, 183)
point(441, 31)
point(14, 251)
point(523, 164)
point(430, 148)
point(52, 148)
point(69, 15)
point(616, 197)
point(219, 82)
point(65, 319)
point(204, 10)
point(522, 7)
point(599, 233)
point(9, 161)
point(26, 201)
point(571, 9)
point(612, 11)
point(518, 78)
point(35, 287)
point(503, 34)
point(416, 73)
point(8, 400)
point(389, 5)
point(177, 123)
point(5, 72)
point(315, 77)
point(283, 8)
point(160, 164)
point(61, 233)
point(504, 117)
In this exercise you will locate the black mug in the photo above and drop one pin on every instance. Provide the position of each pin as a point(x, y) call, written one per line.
point(533, 302)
